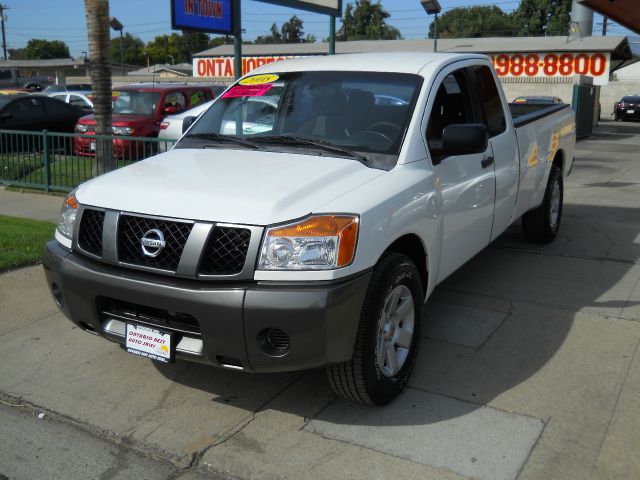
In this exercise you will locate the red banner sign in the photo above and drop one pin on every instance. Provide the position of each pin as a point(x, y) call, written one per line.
point(223, 66)
point(553, 64)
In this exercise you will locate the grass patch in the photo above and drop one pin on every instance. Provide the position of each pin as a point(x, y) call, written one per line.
point(22, 241)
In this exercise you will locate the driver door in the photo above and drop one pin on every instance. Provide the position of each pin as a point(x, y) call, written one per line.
point(467, 182)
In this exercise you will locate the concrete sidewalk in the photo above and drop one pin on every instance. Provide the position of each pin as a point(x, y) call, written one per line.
point(30, 205)
point(529, 367)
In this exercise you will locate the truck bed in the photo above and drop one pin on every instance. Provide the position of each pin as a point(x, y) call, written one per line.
point(523, 113)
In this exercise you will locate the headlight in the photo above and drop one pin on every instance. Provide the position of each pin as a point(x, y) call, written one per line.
point(68, 215)
point(81, 128)
point(320, 242)
point(122, 130)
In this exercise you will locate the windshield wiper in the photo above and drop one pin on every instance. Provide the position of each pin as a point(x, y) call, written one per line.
point(290, 140)
point(223, 138)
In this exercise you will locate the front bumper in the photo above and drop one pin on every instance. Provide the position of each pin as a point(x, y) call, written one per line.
point(320, 318)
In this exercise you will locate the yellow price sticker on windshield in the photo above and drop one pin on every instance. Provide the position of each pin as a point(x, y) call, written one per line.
point(259, 79)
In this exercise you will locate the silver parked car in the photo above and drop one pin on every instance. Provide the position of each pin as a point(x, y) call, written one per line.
point(80, 99)
point(171, 126)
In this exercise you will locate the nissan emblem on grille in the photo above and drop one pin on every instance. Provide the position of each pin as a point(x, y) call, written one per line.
point(152, 243)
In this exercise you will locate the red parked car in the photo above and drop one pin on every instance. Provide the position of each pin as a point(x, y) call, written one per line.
point(138, 111)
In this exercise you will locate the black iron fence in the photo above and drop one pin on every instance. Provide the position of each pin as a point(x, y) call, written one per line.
point(61, 161)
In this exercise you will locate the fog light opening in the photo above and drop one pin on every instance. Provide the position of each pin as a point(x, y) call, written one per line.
point(57, 295)
point(88, 328)
point(274, 342)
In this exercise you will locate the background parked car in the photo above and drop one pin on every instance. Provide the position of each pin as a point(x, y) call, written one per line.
point(14, 77)
point(35, 113)
point(69, 87)
point(138, 111)
point(628, 108)
point(81, 99)
point(171, 126)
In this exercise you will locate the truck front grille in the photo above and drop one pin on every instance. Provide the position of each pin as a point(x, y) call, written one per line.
point(199, 250)
point(132, 229)
point(90, 233)
point(226, 251)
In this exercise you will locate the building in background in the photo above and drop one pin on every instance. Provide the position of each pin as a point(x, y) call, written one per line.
point(513, 57)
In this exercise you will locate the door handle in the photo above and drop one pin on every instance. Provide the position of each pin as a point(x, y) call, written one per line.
point(487, 162)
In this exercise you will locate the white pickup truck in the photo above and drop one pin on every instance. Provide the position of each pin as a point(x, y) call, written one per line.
point(314, 234)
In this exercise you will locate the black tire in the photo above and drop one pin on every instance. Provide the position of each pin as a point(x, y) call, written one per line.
point(541, 225)
point(362, 379)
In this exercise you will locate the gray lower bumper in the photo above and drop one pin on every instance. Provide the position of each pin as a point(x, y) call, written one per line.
point(320, 318)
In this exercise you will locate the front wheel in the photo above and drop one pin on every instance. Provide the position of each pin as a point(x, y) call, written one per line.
point(388, 335)
point(541, 225)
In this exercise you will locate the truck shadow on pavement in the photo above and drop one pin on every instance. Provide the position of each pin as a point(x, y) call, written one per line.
point(489, 328)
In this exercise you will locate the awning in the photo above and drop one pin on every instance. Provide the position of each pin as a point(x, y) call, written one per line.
point(624, 12)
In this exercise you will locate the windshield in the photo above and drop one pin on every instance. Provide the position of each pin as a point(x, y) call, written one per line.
point(363, 112)
point(135, 103)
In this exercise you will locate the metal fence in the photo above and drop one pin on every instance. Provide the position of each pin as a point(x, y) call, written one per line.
point(61, 161)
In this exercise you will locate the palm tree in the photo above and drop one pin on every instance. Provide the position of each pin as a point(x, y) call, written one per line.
point(97, 12)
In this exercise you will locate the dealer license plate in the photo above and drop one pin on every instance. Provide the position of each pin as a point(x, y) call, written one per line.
point(149, 342)
point(630, 111)
point(92, 146)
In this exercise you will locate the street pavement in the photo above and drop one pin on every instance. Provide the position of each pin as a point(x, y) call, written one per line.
point(529, 369)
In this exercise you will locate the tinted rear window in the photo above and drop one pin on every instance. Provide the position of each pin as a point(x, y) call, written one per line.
point(631, 99)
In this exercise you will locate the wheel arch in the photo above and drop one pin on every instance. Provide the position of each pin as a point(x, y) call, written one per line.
point(411, 245)
point(559, 161)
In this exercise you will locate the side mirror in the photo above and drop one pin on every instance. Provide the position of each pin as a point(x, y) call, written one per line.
point(170, 110)
point(464, 139)
point(187, 122)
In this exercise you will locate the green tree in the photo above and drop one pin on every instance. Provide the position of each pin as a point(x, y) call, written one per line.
point(366, 21)
point(133, 49)
point(38, 49)
point(221, 40)
point(292, 31)
point(469, 22)
point(189, 43)
point(162, 48)
point(542, 17)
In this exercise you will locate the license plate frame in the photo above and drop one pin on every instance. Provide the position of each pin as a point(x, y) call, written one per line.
point(150, 342)
point(631, 111)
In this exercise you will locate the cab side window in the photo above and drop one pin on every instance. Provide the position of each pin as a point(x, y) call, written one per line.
point(492, 112)
point(453, 105)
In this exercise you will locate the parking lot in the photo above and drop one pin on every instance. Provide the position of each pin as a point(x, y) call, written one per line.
point(529, 369)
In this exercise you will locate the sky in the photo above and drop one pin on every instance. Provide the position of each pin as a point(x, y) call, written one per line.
point(65, 19)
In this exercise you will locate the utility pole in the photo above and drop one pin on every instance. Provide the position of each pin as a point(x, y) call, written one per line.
point(4, 40)
point(604, 26)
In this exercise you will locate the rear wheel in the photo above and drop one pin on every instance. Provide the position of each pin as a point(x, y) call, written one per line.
point(541, 225)
point(388, 335)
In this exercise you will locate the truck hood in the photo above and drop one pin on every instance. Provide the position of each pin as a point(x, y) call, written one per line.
point(227, 185)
